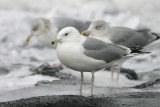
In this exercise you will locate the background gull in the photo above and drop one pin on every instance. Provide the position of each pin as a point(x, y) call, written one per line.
point(87, 54)
point(120, 36)
point(46, 30)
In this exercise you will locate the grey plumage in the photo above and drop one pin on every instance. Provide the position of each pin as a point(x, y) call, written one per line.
point(46, 30)
point(103, 51)
point(62, 22)
point(157, 35)
point(131, 38)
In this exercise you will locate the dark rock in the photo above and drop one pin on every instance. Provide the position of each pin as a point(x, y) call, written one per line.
point(130, 74)
point(42, 82)
point(4, 70)
point(61, 101)
point(64, 79)
point(65, 76)
point(135, 99)
point(148, 84)
point(46, 69)
point(33, 59)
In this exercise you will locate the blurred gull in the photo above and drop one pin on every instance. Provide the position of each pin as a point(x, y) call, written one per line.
point(46, 30)
point(87, 54)
point(120, 36)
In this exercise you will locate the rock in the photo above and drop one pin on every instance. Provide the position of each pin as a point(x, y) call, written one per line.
point(42, 82)
point(46, 69)
point(130, 74)
point(135, 99)
point(4, 70)
point(65, 76)
point(64, 79)
point(57, 101)
point(148, 84)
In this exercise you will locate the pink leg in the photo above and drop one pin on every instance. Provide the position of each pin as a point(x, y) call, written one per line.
point(92, 86)
point(80, 92)
point(118, 74)
point(92, 80)
point(112, 70)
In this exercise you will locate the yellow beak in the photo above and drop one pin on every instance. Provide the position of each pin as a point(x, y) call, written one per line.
point(28, 38)
point(85, 33)
point(55, 41)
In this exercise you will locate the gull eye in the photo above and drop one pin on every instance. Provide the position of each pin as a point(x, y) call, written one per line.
point(66, 34)
point(98, 27)
point(35, 28)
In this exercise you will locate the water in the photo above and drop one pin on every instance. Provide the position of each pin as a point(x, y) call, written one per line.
point(17, 57)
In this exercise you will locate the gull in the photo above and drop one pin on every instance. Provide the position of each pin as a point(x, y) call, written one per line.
point(46, 30)
point(120, 36)
point(86, 54)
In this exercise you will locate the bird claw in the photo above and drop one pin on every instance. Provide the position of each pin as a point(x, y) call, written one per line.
point(88, 95)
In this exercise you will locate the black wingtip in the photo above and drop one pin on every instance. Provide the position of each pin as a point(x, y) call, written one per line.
point(144, 30)
point(141, 52)
point(157, 35)
point(149, 31)
point(138, 50)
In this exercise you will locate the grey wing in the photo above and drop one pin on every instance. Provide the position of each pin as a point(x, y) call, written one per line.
point(131, 38)
point(62, 22)
point(102, 51)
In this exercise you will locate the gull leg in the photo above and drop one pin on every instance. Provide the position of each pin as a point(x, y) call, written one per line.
point(112, 70)
point(92, 79)
point(118, 73)
point(80, 92)
point(92, 86)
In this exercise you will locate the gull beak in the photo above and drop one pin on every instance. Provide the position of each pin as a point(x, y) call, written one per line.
point(28, 38)
point(55, 41)
point(85, 33)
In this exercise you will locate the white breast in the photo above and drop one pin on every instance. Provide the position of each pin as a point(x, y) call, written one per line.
point(71, 55)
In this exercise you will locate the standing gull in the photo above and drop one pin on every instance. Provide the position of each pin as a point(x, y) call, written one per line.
point(120, 36)
point(46, 30)
point(85, 54)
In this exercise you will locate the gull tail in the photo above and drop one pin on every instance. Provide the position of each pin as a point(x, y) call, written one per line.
point(157, 35)
point(138, 50)
point(148, 31)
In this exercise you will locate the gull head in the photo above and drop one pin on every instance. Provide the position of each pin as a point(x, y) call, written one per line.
point(40, 26)
point(68, 34)
point(98, 28)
